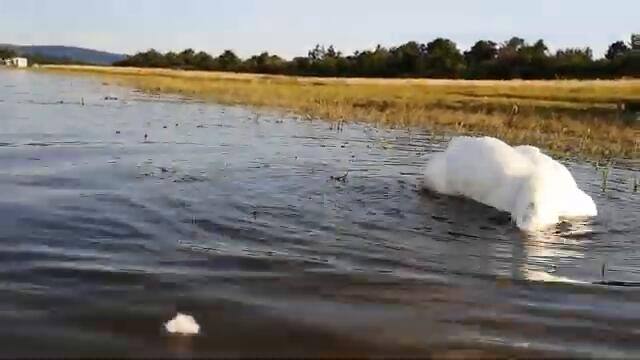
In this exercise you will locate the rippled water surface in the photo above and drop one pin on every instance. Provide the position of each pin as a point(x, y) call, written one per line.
point(232, 216)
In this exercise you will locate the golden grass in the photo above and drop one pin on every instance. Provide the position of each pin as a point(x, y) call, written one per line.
point(571, 117)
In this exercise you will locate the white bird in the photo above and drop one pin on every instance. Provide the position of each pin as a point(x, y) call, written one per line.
point(535, 189)
point(182, 324)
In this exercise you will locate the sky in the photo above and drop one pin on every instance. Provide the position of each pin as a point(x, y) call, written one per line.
point(291, 27)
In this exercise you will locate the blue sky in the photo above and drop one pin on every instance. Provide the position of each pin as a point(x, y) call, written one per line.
point(291, 27)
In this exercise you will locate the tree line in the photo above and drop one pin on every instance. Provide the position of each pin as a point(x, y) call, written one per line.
point(439, 58)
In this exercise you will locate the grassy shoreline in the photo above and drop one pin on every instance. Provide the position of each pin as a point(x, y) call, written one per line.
point(569, 117)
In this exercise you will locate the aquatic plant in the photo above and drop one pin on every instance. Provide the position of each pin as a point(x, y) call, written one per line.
point(605, 177)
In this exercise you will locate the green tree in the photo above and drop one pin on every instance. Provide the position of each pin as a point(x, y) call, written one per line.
point(575, 55)
point(228, 61)
point(265, 63)
point(443, 59)
point(152, 58)
point(317, 53)
point(378, 62)
point(149, 58)
point(174, 60)
point(518, 59)
point(574, 62)
point(481, 51)
point(534, 61)
point(616, 49)
point(299, 66)
point(407, 59)
point(327, 61)
point(187, 58)
point(514, 44)
point(480, 59)
point(203, 61)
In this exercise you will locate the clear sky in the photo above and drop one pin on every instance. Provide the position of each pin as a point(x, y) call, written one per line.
point(291, 27)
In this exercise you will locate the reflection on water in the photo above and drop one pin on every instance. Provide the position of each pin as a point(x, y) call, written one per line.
point(547, 250)
point(236, 217)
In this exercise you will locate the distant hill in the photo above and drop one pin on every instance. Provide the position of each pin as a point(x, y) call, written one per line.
point(83, 55)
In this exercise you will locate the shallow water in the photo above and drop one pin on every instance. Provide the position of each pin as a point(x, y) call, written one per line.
point(232, 216)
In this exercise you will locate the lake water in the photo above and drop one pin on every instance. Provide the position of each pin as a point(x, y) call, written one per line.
point(231, 215)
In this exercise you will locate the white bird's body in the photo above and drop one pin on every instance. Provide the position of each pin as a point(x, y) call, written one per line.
point(535, 189)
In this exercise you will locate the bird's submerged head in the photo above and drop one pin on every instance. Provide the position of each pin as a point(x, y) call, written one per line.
point(536, 204)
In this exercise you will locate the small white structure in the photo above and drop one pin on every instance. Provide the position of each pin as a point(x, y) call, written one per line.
point(19, 62)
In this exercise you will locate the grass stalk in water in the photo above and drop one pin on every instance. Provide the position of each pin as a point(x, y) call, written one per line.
point(605, 177)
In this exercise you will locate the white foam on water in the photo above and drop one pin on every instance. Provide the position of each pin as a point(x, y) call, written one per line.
point(182, 324)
